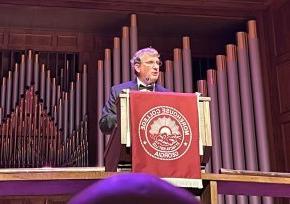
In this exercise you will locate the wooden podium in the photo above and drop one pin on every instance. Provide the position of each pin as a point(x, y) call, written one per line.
point(118, 150)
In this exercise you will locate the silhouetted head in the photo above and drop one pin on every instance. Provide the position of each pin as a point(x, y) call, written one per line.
point(133, 188)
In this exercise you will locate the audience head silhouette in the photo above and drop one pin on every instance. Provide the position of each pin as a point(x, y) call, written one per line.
point(133, 188)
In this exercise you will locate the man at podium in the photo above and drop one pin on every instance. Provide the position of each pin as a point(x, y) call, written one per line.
point(146, 64)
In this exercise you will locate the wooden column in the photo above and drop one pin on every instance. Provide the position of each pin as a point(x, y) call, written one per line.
point(210, 193)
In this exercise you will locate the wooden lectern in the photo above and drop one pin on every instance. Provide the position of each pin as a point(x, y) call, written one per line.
point(118, 150)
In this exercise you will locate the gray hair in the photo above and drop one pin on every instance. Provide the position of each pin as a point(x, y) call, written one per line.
point(138, 55)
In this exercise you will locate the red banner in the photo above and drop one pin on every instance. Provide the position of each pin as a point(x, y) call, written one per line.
point(164, 131)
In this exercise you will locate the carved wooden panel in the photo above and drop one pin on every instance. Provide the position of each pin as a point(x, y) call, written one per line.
point(29, 39)
point(281, 25)
point(283, 76)
point(68, 41)
point(286, 141)
point(279, 75)
point(42, 40)
point(1, 38)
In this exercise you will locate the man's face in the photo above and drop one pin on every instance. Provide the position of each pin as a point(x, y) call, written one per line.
point(148, 69)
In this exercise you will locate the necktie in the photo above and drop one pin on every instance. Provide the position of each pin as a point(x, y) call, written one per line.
point(148, 88)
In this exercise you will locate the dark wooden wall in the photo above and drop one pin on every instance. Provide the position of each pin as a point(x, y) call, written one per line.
point(278, 26)
point(277, 84)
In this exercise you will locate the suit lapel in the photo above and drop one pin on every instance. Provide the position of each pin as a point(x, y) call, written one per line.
point(157, 88)
point(134, 85)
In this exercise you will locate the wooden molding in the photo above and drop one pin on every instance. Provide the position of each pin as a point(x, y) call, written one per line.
point(149, 5)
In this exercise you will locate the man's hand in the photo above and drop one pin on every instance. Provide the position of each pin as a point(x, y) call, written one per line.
point(108, 123)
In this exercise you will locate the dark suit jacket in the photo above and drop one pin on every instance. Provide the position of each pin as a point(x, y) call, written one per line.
point(109, 117)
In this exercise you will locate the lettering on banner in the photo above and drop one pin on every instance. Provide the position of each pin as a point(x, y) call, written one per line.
point(164, 133)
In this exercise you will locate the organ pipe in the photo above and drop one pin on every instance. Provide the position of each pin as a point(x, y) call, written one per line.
point(37, 127)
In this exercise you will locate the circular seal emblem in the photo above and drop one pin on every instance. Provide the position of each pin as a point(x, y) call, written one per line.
point(164, 133)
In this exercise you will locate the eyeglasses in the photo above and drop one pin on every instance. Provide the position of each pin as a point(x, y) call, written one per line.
point(151, 63)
